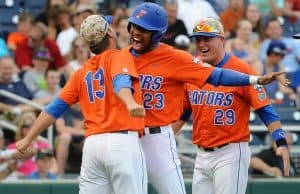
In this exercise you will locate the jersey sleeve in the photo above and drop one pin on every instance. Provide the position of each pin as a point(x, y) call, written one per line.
point(122, 63)
point(190, 69)
point(70, 92)
point(256, 94)
point(186, 101)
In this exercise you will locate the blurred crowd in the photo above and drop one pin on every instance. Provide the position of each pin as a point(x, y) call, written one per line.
point(37, 59)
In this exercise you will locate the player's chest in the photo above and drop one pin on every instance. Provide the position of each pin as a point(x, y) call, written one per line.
point(213, 96)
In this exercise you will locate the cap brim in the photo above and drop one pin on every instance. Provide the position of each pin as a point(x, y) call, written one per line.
point(203, 34)
point(296, 36)
point(108, 18)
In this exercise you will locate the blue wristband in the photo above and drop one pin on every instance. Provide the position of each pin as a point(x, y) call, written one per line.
point(278, 134)
point(279, 137)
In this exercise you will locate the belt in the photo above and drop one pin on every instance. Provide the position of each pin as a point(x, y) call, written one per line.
point(153, 130)
point(213, 148)
point(123, 132)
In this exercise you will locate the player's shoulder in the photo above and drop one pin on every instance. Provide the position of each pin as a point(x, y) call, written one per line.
point(239, 65)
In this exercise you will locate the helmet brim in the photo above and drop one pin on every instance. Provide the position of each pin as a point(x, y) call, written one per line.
point(205, 34)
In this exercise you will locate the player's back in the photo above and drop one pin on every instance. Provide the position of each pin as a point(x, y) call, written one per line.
point(162, 73)
point(99, 104)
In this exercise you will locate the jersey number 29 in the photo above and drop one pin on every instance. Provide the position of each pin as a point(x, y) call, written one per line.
point(224, 117)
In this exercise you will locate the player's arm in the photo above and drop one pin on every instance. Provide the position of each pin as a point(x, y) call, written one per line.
point(122, 84)
point(185, 116)
point(228, 77)
point(46, 118)
point(272, 121)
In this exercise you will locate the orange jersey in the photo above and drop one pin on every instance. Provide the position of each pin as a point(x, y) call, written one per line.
point(163, 72)
point(16, 38)
point(92, 86)
point(221, 114)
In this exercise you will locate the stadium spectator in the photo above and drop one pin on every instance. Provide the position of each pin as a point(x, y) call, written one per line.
point(269, 8)
point(89, 3)
point(66, 32)
point(34, 78)
point(193, 10)
point(254, 16)
point(275, 53)
point(26, 167)
point(14, 39)
point(80, 13)
point(175, 25)
point(47, 16)
point(80, 53)
point(38, 38)
point(8, 83)
point(70, 136)
point(44, 160)
point(8, 160)
point(118, 13)
point(274, 32)
point(244, 44)
point(268, 162)
point(291, 11)
point(52, 79)
point(3, 48)
point(231, 15)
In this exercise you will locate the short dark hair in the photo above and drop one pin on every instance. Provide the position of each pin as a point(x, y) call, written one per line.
point(101, 46)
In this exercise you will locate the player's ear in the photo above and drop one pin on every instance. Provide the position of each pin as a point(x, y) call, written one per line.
point(111, 33)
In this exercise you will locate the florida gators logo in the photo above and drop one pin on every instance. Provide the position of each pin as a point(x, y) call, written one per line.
point(141, 13)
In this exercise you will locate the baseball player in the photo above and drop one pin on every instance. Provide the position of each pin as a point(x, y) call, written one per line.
point(221, 118)
point(163, 71)
point(113, 160)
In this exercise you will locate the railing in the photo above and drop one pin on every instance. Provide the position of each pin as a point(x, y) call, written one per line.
point(23, 100)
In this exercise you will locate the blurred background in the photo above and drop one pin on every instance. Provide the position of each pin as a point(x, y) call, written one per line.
point(40, 49)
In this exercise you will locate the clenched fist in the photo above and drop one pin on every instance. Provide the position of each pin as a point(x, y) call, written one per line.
point(136, 110)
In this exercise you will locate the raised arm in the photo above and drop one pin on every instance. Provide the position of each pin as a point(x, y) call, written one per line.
point(228, 77)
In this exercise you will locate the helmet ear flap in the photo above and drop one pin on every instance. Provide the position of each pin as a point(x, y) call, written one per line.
point(156, 37)
point(128, 27)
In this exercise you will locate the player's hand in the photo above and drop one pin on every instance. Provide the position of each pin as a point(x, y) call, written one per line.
point(136, 110)
point(272, 76)
point(23, 146)
point(284, 153)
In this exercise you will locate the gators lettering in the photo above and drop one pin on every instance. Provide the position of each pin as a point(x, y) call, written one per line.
point(210, 98)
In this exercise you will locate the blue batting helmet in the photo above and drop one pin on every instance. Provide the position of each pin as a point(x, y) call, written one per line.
point(152, 17)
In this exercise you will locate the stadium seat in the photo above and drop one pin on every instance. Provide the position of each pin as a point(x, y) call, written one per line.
point(9, 16)
point(30, 4)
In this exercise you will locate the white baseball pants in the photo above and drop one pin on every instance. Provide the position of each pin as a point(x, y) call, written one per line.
point(163, 165)
point(223, 171)
point(113, 163)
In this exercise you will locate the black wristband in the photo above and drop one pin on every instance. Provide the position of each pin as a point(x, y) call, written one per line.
point(281, 142)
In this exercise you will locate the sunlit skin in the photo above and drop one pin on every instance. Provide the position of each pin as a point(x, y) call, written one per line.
point(141, 39)
point(210, 49)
